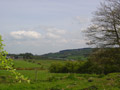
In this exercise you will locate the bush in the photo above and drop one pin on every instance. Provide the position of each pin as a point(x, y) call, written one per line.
point(56, 68)
point(105, 61)
point(67, 67)
point(100, 62)
point(70, 67)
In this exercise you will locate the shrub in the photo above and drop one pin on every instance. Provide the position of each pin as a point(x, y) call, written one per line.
point(56, 68)
point(67, 67)
point(105, 61)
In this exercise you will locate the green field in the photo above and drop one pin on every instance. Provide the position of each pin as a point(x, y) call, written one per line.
point(24, 64)
point(56, 81)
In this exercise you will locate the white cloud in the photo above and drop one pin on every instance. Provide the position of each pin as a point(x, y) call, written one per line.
point(52, 35)
point(45, 38)
point(25, 34)
point(52, 32)
point(56, 30)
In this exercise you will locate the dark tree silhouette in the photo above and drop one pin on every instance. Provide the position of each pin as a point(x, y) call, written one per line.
point(105, 28)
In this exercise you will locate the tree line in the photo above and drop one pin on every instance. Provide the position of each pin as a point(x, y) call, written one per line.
point(22, 55)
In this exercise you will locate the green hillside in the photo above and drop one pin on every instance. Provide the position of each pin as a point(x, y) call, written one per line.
point(76, 54)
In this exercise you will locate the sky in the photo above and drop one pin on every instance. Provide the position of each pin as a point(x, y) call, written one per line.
point(44, 26)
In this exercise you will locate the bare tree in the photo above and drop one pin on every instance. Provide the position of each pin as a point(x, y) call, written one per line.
point(105, 28)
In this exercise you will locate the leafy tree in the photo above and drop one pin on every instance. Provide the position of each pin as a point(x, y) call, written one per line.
point(8, 63)
point(28, 55)
point(105, 28)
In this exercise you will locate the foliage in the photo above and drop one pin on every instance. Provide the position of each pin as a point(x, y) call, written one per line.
point(56, 67)
point(22, 55)
point(106, 60)
point(27, 55)
point(100, 62)
point(67, 67)
point(8, 64)
point(104, 33)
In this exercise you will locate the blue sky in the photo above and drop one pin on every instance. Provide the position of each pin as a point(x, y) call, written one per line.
point(43, 26)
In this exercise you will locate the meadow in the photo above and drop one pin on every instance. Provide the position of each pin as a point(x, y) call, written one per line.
point(42, 79)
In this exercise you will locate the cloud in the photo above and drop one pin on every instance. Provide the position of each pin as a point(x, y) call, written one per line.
point(55, 33)
point(25, 34)
point(56, 30)
point(45, 38)
point(82, 19)
point(78, 41)
point(52, 32)
point(52, 35)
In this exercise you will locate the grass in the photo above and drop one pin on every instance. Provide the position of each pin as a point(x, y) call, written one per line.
point(46, 63)
point(57, 81)
point(24, 64)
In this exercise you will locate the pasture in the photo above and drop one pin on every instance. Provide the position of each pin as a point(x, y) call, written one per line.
point(42, 79)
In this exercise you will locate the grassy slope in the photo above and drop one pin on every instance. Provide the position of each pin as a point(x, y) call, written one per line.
point(42, 63)
point(46, 63)
point(24, 64)
point(58, 81)
point(77, 54)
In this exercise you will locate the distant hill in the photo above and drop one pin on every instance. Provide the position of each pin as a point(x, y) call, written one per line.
point(70, 54)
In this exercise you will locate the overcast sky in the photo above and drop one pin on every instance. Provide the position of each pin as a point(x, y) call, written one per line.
point(43, 26)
